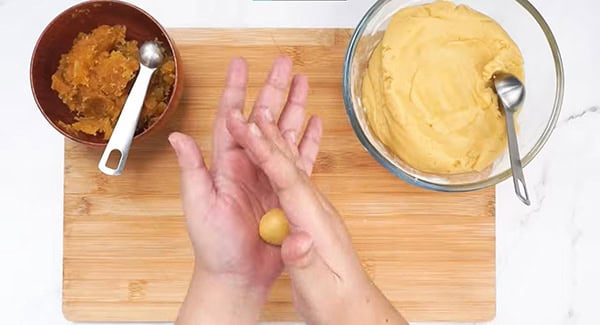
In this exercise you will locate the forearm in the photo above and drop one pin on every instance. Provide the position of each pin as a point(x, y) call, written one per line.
point(355, 301)
point(219, 301)
point(362, 305)
point(377, 309)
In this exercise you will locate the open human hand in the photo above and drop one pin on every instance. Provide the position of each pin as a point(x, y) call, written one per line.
point(224, 203)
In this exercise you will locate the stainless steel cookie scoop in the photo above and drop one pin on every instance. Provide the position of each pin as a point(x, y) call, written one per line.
point(511, 94)
point(151, 57)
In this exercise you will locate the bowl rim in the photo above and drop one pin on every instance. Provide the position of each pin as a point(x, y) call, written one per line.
point(84, 4)
point(470, 186)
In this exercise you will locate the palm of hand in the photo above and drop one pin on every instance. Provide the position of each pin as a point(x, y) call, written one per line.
point(223, 205)
point(242, 195)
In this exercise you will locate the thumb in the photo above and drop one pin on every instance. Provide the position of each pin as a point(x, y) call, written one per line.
point(303, 261)
point(296, 250)
point(196, 183)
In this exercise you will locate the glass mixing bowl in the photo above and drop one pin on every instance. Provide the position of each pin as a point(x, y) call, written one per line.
point(538, 115)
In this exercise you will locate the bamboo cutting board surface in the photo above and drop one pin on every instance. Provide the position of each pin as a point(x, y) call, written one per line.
point(127, 256)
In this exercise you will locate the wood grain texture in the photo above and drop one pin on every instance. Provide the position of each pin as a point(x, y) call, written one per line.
point(127, 256)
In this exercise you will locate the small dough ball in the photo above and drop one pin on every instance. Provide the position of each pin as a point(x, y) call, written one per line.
point(274, 227)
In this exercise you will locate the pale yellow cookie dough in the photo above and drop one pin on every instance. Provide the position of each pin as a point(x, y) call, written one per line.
point(427, 93)
point(274, 227)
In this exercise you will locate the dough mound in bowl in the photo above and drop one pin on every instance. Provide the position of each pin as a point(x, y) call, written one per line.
point(427, 92)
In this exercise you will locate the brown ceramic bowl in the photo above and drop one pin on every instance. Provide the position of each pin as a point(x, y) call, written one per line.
point(57, 39)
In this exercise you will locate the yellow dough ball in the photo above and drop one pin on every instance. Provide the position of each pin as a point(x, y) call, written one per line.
point(274, 227)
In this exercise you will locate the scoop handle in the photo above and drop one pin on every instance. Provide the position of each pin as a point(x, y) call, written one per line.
point(515, 158)
point(122, 135)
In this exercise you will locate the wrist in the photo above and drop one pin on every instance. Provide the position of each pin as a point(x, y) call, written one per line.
point(358, 294)
point(374, 306)
point(221, 299)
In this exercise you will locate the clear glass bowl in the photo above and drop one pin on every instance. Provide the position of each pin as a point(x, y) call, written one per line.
point(536, 120)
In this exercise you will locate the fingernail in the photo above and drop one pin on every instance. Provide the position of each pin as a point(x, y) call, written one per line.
point(174, 144)
point(172, 140)
point(237, 115)
point(268, 114)
point(255, 130)
point(291, 135)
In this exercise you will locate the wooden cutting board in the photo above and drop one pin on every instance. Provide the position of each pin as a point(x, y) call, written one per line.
point(127, 256)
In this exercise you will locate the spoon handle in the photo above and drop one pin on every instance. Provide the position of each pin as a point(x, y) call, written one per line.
point(515, 159)
point(122, 135)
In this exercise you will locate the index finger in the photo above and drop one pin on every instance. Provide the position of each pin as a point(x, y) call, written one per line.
point(232, 99)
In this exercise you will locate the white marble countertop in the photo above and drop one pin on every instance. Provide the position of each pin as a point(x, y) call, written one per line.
point(548, 255)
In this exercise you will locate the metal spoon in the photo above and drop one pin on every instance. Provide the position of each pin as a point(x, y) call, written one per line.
point(511, 94)
point(150, 58)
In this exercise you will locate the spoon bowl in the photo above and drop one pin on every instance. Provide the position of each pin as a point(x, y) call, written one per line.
point(510, 90)
point(151, 55)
